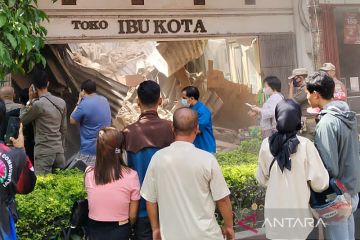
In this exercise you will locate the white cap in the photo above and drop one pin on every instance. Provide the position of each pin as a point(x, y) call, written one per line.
point(328, 67)
point(298, 72)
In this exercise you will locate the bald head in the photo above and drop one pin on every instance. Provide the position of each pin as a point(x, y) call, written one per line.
point(185, 121)
point(7, 92)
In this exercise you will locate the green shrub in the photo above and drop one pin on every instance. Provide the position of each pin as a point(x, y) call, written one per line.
point(239, 167)
point(246, 153)
point(244, 188)
point(45, 212)
point(251, 146)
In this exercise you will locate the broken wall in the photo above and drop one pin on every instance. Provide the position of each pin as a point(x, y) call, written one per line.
point(233, 114)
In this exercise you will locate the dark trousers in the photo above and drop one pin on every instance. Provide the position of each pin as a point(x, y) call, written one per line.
point(108, 230)
point(142, 229)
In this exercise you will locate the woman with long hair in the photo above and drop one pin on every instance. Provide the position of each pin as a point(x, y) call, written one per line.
point(113, 190)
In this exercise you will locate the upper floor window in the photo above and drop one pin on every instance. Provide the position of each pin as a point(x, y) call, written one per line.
point(68, 2)
point(137, 2)
point(199, 2)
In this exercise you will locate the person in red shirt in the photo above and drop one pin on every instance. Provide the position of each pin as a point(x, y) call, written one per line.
point(16, 177)
point(340, 89)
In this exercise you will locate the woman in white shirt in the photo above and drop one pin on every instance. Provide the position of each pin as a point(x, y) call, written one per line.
point(288, 166)
point(272, 88)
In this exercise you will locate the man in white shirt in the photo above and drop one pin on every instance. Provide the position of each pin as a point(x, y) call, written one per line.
point(182, 187)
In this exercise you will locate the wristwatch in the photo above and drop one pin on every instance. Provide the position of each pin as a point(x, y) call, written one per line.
point(30, 102)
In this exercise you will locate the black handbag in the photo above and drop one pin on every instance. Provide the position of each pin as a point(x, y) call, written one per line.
point(78, 221)
point(79, 213)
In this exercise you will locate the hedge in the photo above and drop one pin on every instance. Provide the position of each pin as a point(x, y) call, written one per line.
point(45, 212)
point(239, 168)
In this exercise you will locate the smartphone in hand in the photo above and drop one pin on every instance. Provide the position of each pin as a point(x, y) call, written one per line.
point(12, 130)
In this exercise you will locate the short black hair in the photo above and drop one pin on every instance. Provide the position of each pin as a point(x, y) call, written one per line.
point(2, 112)
point(321, 83)
point(40, 78)
point(191, 91)
point(273, 82)
point(88, 86)
point(149, 93)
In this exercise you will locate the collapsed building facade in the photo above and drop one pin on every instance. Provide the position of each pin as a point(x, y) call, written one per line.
point(224, 48)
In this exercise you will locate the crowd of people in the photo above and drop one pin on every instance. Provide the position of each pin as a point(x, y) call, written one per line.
point(159, 179)
point(316, 143)
point(116, 162)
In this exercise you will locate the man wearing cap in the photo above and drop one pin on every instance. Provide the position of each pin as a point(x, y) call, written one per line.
point(297, 91)
point(340, 89)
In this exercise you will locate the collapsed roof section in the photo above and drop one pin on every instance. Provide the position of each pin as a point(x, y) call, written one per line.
point(76, 73)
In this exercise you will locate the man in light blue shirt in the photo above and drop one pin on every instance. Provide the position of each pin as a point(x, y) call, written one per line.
point(93, 113)
point(205, 139)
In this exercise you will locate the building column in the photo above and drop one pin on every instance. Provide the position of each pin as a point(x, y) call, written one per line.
point(302, 28)
point(324, 35)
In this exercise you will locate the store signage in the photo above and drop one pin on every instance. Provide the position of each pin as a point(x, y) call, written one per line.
point(352, 28)
point(145, 26)
point(65, 27)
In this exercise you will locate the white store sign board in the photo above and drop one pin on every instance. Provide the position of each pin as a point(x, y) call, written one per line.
point(83, 27)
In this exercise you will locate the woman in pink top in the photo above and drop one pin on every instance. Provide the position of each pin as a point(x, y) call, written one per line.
point(112, 189)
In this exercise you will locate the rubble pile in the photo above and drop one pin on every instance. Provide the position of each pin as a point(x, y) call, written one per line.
point(130, 112)
point(115, 60)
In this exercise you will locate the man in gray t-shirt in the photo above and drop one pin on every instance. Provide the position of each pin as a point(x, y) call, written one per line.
point(48, 115)
point(186, 184)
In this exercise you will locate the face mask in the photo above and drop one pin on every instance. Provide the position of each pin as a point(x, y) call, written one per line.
point(185, 103)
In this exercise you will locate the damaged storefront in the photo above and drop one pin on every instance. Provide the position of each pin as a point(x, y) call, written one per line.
point(337, 32)
point(224, 50)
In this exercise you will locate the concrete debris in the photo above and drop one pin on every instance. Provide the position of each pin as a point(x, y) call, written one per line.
point(233, 114)
point(222, 146)
point(227, 135)
point(116, 60)
point(178, 53)
point(130, 111)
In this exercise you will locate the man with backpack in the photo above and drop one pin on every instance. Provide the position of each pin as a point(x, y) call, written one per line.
point(337, 142)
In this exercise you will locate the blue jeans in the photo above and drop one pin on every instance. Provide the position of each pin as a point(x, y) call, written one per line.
point(344, 230)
